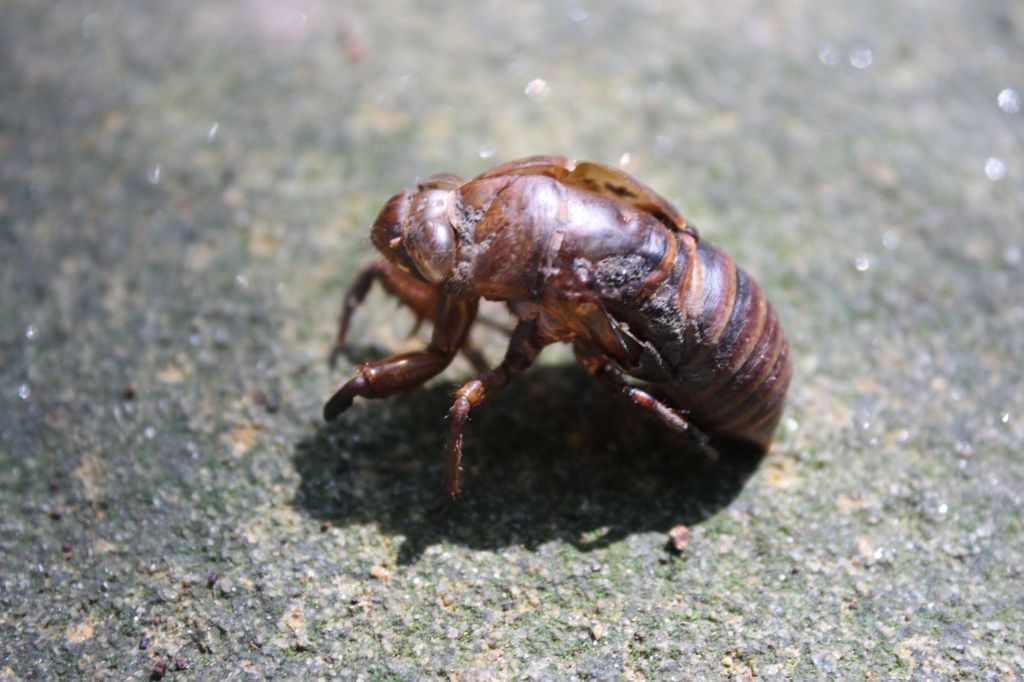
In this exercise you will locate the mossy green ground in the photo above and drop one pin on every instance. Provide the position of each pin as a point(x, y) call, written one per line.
point(186, 189)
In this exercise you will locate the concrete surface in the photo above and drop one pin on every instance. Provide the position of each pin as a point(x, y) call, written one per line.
point(185, 191)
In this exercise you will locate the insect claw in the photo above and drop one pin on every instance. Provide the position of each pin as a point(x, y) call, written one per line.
point(343, 397)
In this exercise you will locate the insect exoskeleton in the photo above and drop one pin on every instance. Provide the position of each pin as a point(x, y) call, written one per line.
point(580, 253)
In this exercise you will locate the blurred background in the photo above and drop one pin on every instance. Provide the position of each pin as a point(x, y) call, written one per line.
point(186, 190)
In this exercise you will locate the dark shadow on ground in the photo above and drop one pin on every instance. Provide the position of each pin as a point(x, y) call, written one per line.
point(552, 457)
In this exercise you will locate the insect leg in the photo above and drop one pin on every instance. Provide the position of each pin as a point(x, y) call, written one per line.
point(422, 298)
point(610, 377)
point(401, 372)
point(522, 351)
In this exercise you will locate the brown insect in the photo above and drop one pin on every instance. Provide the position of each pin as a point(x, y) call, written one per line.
point(581, 253)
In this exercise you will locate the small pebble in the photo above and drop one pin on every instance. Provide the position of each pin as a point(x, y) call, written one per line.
point(380, 573)
point(679, 536)
point(159, 670)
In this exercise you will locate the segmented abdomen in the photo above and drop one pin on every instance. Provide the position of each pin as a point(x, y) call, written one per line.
point(734, 366)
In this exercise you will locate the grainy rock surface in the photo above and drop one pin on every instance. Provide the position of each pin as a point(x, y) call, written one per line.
point(186, 189)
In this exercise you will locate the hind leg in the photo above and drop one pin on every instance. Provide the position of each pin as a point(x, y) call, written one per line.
point(609, 376)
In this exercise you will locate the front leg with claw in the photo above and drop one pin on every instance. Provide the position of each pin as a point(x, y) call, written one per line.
point(399, 373)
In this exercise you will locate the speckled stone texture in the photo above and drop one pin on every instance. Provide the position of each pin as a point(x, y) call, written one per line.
point(186, 189)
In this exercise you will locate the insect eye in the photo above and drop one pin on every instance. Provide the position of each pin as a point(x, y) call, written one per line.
point(388, 225)
point(431, 246)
